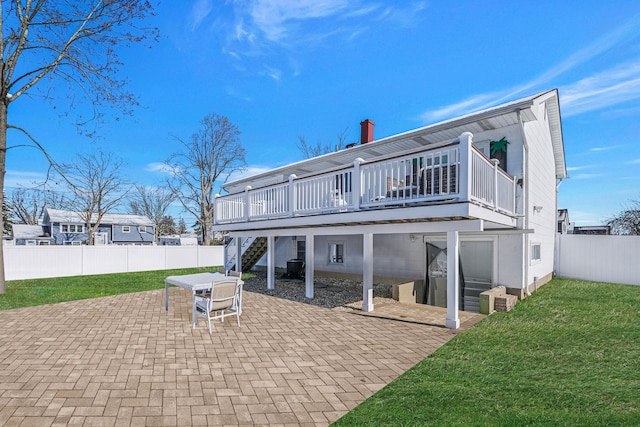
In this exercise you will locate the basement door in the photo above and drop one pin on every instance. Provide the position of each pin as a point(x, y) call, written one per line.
point(476, 273)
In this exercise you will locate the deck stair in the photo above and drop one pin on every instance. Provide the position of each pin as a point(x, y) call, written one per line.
point(252, 250)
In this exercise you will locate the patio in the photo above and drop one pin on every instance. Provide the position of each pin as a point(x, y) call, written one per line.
point(123, 360)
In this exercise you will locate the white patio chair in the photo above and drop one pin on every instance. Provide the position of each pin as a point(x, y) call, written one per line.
point(233, 273)
point(222, 301)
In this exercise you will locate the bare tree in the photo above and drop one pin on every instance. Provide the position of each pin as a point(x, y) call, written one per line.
point(97, 187)
point(28, 204)
point(153, 203)
point(627, 221)
point(309, 150)
point(7, 223)
point(208, 159)
point(47, 44)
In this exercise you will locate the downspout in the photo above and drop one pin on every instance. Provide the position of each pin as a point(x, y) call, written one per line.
point(525, 203)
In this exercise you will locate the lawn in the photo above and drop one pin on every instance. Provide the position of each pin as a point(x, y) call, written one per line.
point(567, 356)
point(26, 293)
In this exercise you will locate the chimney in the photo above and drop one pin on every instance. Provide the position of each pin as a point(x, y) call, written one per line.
point(366, 131)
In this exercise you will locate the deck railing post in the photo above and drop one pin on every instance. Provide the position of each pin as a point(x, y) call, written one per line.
point(247, 203)
point(466, 139)
point(356, 183)
point(495, 162)
point(292, 194)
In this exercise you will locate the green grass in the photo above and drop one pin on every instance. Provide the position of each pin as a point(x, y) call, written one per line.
point(567, 356)
point(27, 293)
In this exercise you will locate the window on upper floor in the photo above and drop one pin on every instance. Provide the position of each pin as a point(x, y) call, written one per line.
point(126, 229)
point(142, 229)
point(72, 228)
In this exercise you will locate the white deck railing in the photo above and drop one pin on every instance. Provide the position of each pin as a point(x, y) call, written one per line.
point(454, 172)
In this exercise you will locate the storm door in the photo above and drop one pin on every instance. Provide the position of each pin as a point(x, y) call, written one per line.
point(436, 280)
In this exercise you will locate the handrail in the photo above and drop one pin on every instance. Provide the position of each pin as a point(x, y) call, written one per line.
point(456, 171)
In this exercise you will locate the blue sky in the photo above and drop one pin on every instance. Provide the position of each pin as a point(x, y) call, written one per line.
point(283, 68)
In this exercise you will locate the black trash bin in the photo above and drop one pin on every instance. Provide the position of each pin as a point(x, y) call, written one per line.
point(295, 269)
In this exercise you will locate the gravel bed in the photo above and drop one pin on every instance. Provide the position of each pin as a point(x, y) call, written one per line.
point(328, 292)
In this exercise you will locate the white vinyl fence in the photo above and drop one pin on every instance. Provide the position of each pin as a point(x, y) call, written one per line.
point(613, 259)
point(31, 262)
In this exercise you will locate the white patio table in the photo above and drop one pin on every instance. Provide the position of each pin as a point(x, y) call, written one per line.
point(195, 282)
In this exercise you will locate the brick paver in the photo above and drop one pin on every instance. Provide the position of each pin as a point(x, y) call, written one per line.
point(123, 360)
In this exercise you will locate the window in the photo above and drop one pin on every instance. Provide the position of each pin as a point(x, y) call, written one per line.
point(336, 253)
point(72, 243)
point(301, 247)
point(72, 228)
point(30, 242)
point(142, 229)
point(535, 252)
point(126, 229)
point(44, 243)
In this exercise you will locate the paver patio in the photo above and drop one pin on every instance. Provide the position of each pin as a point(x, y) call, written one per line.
point(123, 360)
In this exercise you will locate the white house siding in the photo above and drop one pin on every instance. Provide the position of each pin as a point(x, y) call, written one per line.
point(541, 179)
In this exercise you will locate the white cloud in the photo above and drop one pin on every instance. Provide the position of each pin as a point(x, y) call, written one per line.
point(604, 89)
point(249, 171)
point(159, 167)
point(15, 179)
point(635, 162)
point(600, 90)
point(272, 17)
point(199, 12)
point(586, 176)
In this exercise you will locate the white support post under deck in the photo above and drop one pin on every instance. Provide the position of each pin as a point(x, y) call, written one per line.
point(453, 280)
point(238, 253)
point(367, 272)
point(309, 264)
point(271, 262)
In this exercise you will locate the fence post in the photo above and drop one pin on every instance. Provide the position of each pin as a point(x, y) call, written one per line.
point(466, 139)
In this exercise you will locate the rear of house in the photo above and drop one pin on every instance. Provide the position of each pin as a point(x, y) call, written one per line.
point(452, 209)
point(69, 228)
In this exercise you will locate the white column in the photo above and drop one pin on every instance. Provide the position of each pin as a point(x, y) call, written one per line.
point(238, 253)
point(367, 272)
point(453, 280)
point(271, 265)
point(310, 256)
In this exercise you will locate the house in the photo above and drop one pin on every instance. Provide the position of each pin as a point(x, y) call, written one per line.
point(602, 230)
point(454, 208)
point(68, 228)
point(178, 240)
point(27, 234)
point(564, 226)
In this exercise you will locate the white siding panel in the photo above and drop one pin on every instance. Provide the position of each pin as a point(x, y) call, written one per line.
point(541, 182)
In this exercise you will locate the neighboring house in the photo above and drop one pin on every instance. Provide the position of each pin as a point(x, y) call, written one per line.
point(178, 240)
point(26, 234)
point(68, 228)
point(603, 230)
point(429, 205)
point(564, 226)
